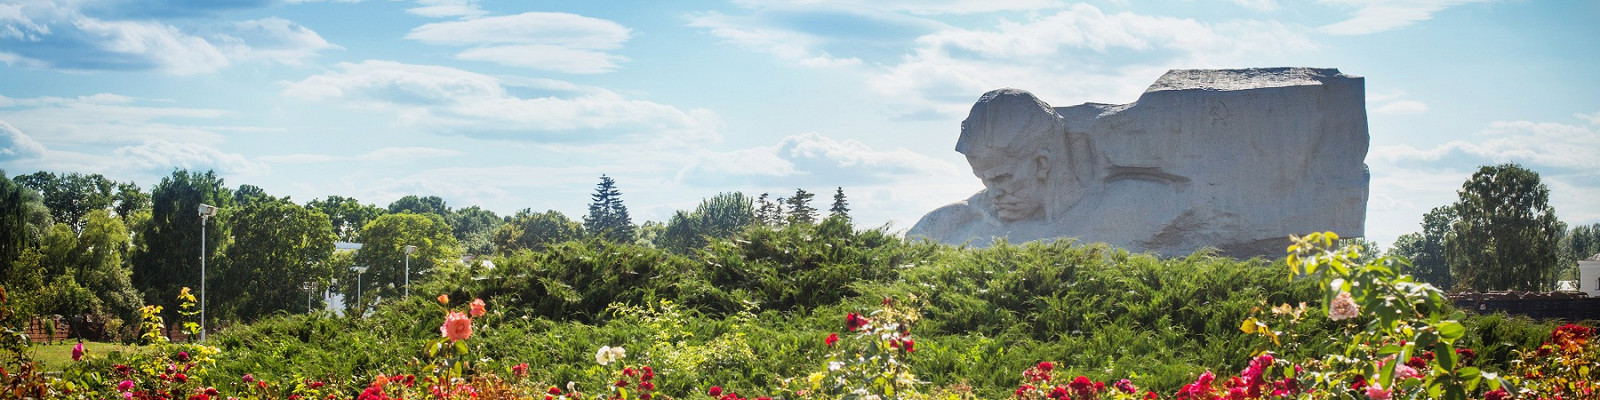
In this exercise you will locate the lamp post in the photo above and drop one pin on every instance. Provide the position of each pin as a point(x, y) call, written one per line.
point(362, 307)
point(409, 249)
point(206, 212)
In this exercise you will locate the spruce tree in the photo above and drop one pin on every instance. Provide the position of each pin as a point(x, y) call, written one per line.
point(841, 207)
point(764, 210)
point(608, 218)
point(800, 210)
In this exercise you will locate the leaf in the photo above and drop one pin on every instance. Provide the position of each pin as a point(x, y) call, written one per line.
point(1451, 330)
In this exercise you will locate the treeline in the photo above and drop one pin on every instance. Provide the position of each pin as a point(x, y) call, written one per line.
point(1501, 234)
point(77, 243)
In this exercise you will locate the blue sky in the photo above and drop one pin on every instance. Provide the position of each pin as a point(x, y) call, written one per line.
point(524, 104)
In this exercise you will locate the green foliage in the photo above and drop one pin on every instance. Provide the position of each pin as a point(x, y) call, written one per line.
point(383, 253)
point(71, 197)
point(420, 205)
point(800, 209)
point(1426, 249)
point(81, 273)
point(1580, 243)
point(720, 216)
point(530, 231)
point(130, 200)
point(840, 207)
point(278, 249)
point(167, 249)
point(1505, 235)
point(23, 221)
point(475, 229)
point(767, 212)
point(347, 215)
point(608, 217)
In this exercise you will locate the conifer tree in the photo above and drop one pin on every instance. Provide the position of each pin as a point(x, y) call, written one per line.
point(800, 210)
point(608, 218)
point(841, 207)
point(764, 210)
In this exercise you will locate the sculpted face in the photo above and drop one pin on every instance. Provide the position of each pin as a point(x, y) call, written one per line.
point(1016, 185)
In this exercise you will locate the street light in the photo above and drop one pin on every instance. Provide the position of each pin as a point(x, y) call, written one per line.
point(409, 249)
point(359, 271)
point(206, 212)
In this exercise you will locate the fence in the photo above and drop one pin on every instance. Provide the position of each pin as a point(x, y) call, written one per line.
point(1560, 306)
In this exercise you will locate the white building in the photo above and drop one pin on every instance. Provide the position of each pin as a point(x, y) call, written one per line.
point(1589, 275)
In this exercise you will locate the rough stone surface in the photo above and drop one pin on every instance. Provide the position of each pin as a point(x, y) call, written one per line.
point(1236, 160)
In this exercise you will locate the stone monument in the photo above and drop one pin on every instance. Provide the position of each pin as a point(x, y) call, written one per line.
point(1235, 160)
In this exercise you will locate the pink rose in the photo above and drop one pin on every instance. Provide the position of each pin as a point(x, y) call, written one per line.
point(77, 352)
point(477, 308)
point(456, 326)
point(126, 385)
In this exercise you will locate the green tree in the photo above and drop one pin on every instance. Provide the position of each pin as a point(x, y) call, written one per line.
point(767, 212)
point(130, 200)
point(23, 220)
point(383, 253)
point(1580, 243)
point(279, 248)
point(78, 273)
point(608, 217)
point(247, 194)
point(841, 207)
point(347, 215)
point(1368, 249)
point(420, 205)
point(167, 248)
point(531, 231)
point(475, 228)
point(720, 216)
point(800, 210)
point(1426, 249)
point(72, 196)
point(1505, 235)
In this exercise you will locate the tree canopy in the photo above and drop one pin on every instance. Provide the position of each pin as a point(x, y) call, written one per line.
point(608, 217)
point(535, 231)
point(383, 253)
point(1505, 234)
point(279, 251)
point(168, 247)
point(720, 216)
point(1426, 249)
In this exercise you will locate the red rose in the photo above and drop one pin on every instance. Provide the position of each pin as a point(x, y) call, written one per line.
point(629, 372)
point(715, 391)
point(910, 345)
point(1058, 392)
point(647, 386)
point(180, 378)
point(554, 391)
point(1046, 366)
point(832, 338)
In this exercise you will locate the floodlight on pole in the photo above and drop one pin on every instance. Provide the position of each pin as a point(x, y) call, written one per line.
point(206, 212)
point(359, 271)
point(409, 249)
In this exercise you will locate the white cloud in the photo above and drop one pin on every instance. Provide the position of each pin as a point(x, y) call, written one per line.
point(811, 156)
point(106, 118)
point(449, 100)
point(161, 155)
point(919, 7)
point(447, 8)
point(782, 43)
point(1261, 5)
point(387, 154)
point(552, 41)
point(1594, 119)
point(1542, 144)
point(1373, 16)
point(1076, 55)
point(1402, 107)
point(15, 145)
point(59, 36)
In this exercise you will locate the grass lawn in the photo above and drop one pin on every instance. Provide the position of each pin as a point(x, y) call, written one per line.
point(55, 357)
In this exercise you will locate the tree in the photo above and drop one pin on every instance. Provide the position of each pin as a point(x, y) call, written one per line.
point(279, 249)
point(608, 217)
point(72, 196)
point(475, 228)
point(1580, 243)
point(383, 253)
point(167, 248)
point(23, 220)
point(766, 212)
point(720, 216)
point(1426, 249)
point(347, 215)
point(536, 231)
point(130, 201)
point(1369, 249)
point(420, 205)
point(77, 273)
point(1505, 235)
point(245, 195)
point(800, 210)
point(841, 207)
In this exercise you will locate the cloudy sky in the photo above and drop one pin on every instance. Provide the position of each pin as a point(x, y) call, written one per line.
point(524, 104)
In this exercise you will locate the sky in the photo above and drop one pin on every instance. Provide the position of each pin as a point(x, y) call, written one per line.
point(509, 105)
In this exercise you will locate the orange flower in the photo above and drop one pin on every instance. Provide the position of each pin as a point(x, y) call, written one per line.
point(456, 326)
point(444, 299)
point(380, 380)
point(477, 308)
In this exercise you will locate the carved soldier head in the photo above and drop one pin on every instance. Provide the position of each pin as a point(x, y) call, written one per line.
point(1009, 139)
